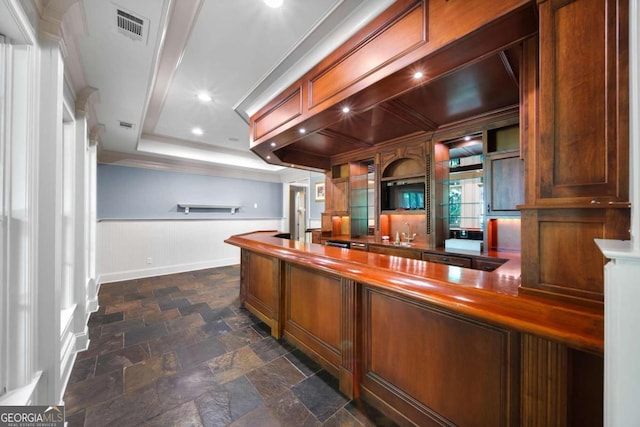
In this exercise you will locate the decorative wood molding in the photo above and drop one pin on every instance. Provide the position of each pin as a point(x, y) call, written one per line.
point(51, 16)
point(348, 367)
point(85, 98)
point(543, 382)
point(95, 133)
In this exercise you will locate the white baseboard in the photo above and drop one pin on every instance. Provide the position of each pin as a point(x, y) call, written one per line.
point(24, 395)
point(82, 340)
point(92, 305)
point(160, 271)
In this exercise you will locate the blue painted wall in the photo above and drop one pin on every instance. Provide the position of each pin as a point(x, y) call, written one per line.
point(315, 208)
point(125, 192)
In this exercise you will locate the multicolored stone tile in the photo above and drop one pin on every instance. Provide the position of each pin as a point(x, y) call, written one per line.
point(179, 350)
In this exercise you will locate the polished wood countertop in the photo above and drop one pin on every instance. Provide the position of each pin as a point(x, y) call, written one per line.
point(494, 297)
point(511, 267)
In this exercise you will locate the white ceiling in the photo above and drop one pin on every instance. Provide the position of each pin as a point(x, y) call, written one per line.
point(241, 52)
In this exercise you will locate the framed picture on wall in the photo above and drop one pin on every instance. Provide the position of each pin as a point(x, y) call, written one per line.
point(319, 193)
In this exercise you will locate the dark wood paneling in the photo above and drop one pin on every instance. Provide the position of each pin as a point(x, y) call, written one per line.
point(395, 251)
point(350, 339)
point(261, 288)
point(340, 196)
point(375, 67)
point(505, 182)
point(583, 116)
point(489, 297)
point(559, 254)
point(560, 386)
point(451, 20)
point(585, 389)
point(284, 111)
point(382, 47)
point(478, 88)
point(430, 363)
point(448, 259)
point(544, 383)
point(313, 312)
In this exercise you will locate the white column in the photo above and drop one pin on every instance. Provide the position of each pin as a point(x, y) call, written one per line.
point(621, 342)
point(91, 207)
point(622, 273)
point(48, 192)
point(81, 276)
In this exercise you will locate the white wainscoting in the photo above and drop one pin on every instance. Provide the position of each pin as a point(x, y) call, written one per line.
point(131, 249)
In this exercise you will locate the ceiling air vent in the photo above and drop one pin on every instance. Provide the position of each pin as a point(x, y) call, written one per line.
point(126, 125)
point(130, 25)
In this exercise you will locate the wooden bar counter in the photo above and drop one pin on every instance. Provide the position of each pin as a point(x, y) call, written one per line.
point(428, 343)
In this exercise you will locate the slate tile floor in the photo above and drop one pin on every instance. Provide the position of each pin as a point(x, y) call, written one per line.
point(178, 350)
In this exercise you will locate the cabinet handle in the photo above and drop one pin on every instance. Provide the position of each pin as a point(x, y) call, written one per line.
point(626, 204)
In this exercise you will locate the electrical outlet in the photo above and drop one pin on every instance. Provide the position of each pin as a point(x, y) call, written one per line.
point(149, 260)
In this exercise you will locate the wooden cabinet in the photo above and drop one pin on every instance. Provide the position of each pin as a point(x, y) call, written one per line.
point(337, 191)
point(260, 288)
point(583, 147)
point(559, 255)
point(504, 171)
point(434, 348)
point(395, 251)
point(436, 367)
point(504, 183)
point(319, 317)
point(485, 264)
point(340, 196)
point(578, 151)
point(458, 261)
point(404, 188)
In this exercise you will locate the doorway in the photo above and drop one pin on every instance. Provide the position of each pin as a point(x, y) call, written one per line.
point(297, 212)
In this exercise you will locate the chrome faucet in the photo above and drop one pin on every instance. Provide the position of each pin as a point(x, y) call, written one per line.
point(408, 236)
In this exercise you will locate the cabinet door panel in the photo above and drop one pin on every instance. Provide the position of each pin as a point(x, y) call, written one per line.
point(339, 196)
point(506, 189)
point(313, 315)
point(426, 360)
point(583, 100)
point(447, 259)
point(395, 251)
point(559, 255)
point(260, 290)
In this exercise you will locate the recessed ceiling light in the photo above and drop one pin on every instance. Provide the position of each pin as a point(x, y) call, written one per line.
point(273, 3)
point(302, 130)
point(467, 138)
point(273, 144)
point(197, 131)
point(418, 75)
point(345, 109)
point(204, 97)
point(268, 157)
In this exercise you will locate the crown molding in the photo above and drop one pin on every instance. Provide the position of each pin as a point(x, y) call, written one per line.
point(95, 134)
point(52, 13)
point(184, 166)
point(86, 97)
point(340, 23)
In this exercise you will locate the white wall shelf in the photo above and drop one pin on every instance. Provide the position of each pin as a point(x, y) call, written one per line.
point(189, 206)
